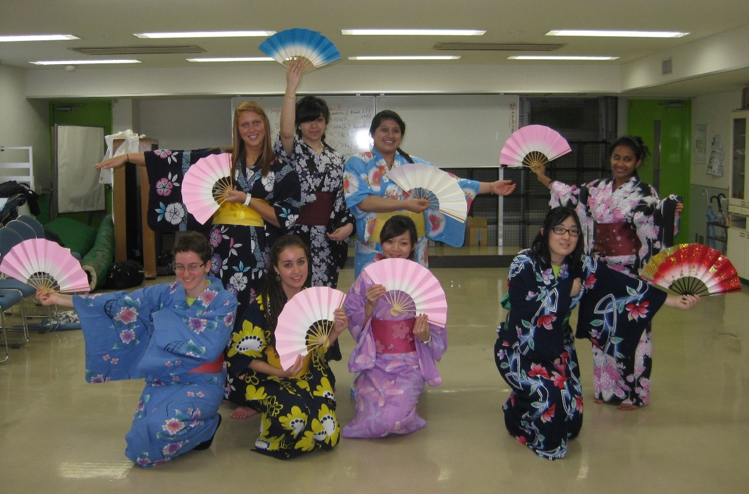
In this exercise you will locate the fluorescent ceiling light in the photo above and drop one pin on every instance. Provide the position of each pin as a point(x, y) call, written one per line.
point(412, 32)
point(82, 62)
point(232, 59)
point(38, 37)
point(617, 34)
point(408, 57)
point(205, 34)
point(558, 57)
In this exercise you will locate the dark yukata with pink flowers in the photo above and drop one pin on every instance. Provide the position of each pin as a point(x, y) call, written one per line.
point(535, 351)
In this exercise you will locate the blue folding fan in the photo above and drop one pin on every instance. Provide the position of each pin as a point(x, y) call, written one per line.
point(288, 45)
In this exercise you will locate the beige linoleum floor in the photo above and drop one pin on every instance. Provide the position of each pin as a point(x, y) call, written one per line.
point(61, 435)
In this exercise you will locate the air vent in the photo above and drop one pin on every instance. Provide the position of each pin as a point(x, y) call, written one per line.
point(139, 50)
point(498, 46)
point(666, 67)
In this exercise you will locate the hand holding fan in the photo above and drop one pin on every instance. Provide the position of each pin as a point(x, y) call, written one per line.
point(205, 185)
point(45, 265)
point(429, 182)
point(411, 289)
point(531, 145)
point(305, 322)
point(692, 269)
point(286, 46)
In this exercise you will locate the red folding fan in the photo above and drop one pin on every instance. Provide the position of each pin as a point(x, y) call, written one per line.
point(692, 269)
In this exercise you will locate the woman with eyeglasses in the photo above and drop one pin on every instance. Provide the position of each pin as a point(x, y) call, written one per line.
point(172, 335)
point(625, 222)
point(535, 351)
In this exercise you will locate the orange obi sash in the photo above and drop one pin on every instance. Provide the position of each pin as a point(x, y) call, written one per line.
point(616, 239)
point(230, 213)
point(394, 336)
point(317, 213)
point(210, 367)
point(418, 219)
point(275, 361)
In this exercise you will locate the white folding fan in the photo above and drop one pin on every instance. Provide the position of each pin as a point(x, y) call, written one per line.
point(533, 144)
point(305, 322)
point(411, 289)
point(206, 184)
point(429, 182)
point(286, 46)
point(45, 265)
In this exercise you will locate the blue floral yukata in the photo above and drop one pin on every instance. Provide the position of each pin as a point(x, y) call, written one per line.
point(153, 334)
point(535, 351)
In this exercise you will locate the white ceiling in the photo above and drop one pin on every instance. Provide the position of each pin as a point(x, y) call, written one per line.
point(111, 23)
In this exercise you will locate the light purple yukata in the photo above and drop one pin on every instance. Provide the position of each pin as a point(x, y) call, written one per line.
point(620, 378)
point(388, 386)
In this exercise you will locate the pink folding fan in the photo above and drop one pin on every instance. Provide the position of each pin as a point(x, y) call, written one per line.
point(206, 184)
point(533, 144)
point(45, 265)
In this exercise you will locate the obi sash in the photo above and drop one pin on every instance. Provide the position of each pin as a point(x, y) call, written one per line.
point(385, 339)
point(418, 219)
point(230, 213)
point(210, 367)
point(616, 239)
point(317, 213)
point(275, 361)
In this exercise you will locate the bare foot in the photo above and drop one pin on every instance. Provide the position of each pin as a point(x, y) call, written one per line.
point(627, 407)
point(243, 413)
point(598, 400)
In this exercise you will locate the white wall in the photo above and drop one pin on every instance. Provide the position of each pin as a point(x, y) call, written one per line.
point(186, 124)
point(24, 122)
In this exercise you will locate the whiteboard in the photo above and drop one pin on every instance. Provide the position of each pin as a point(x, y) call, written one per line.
point(77, 149)
point(455, 131)
point(348, 129)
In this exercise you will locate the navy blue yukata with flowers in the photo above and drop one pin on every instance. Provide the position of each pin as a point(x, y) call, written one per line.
point(535, 351)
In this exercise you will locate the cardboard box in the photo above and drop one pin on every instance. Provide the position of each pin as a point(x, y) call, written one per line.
point(477, 232)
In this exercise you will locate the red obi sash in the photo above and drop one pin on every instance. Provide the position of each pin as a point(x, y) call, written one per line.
point(210, 367)
point(616, 239)
point(317, 213)
point(394, 336)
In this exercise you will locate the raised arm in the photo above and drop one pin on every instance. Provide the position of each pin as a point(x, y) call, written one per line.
point(288, 112)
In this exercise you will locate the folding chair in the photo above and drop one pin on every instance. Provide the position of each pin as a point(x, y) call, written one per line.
point(8, 239)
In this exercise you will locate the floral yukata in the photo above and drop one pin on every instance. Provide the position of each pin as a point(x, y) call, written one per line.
point(535, 351)
point(240, 252)
point(323, 208)
point(153, 334)
point(626, 227)
point(298, 413)
point(392, 365)
point(366, 175)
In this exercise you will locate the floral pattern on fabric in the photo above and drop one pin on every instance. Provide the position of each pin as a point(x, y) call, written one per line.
point(321, 172)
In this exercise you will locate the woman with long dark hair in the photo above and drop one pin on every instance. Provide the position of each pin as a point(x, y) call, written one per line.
point(535, 351)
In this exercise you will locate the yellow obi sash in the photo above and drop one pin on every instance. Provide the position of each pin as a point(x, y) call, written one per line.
point(418, 219)
point(275, 361)
point(230, 213)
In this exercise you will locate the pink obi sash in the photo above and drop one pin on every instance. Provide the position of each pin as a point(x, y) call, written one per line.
point(317, 213)
point(616, 239)
point(394, 336)
point(210, 367)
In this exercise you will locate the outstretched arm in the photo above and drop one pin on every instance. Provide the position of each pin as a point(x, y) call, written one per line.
point(117, 161)
point(54, 298)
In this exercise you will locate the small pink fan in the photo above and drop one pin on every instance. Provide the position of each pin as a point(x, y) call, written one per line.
point(305, 322)
point(429, 182)
point(206, 184)
point(533, 144)
point(411, 289)
point(45, 265)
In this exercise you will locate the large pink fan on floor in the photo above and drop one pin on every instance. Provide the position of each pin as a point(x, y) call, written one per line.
point(438, 187)
point(206, 184)
point(411, 289)
point(533, 144)
point(692, 269)
point(305, 322)
point(45, 265)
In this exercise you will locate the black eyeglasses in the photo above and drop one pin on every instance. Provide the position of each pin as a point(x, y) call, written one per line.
point(560, 230)
point(193, 268)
